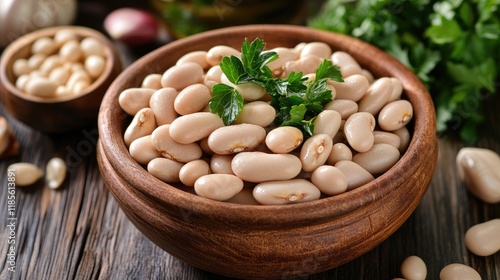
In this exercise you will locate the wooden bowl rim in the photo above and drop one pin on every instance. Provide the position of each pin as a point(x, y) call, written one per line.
point(29, 38)
point(423, 139)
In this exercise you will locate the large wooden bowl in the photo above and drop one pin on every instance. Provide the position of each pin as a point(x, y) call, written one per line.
point(268, 241)
point(62, 114)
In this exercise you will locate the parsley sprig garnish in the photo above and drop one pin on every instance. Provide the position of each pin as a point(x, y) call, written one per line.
point(297, 101)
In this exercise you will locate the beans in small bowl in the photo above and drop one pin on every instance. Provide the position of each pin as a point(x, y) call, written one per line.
point(252, 240)
point(54, 79)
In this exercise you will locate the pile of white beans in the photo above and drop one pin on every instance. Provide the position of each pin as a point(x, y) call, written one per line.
point(360, 134)
point(60, 66)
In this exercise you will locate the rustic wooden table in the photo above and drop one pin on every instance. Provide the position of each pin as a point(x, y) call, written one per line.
point(79, 232)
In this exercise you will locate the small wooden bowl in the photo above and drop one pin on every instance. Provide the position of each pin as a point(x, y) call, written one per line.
point(256, 241)
point(55, 115)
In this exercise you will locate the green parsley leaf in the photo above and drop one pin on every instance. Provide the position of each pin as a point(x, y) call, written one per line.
point(233, 68)
point(226, 103)
point(254, 60)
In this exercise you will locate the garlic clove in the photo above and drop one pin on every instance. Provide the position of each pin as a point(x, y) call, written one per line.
point(479, 169)
point(132, 26)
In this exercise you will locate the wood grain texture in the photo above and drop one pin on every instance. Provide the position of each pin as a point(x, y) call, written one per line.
point(79, 232)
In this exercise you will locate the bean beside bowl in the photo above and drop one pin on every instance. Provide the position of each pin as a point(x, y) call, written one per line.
point(54, 79)
point(267, 241)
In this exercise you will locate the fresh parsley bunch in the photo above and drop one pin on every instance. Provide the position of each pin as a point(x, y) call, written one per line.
point(453, 46)
point(297, 101)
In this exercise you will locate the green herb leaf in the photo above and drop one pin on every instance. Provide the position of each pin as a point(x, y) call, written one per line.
point(446, 31)
point(233, 68)
point(226, 103)
point(254, 60)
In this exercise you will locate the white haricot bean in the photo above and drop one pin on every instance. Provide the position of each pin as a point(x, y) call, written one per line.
point(260, 167)
point(152, 81)
point(26, 173)
point(249, 91)
point(358, 130)
point(285, 192)
point(36, 60)
point(142, 150)
point(41, 87)
point(284, 139)
point(216, 53)
point(483, 239)
point(414, 268)
point(198, 57)
point(353, 88)
point(387, 138)
point(319, 49)
point(221, 164)
point(315, 151)
point(181, 76)
point(204, 146)
point(95, 65)
point(213, 74)
point(168, 148)
point(478, 168)
point(165, 169)
point(64, 35)
point(378, 159)
point(256, 112)
point(244, 197)
point(21, 67)
point(132, 100)
point(397, 89)
point(142, 124)
point(194, 127)
point(457, 271)
point(356, 175)
point(376, 97)
point(78, 77)
point(395, 115)
point(49, 64)
point(44, 45)
point(348, 65)
point(329, 180)
point(368, 75)
point(218, 186)
point(71, 51)
point(55, 173)
point(327, 122)
point(236, 138)
point(22, 81)
point(340, 151)
point(162, 103)
point(59, 76)
point(92, 46)
point(193, 170)
point(306, 65)
point(345, 107)
point(63, 91)
point(192, 99)
point(405, 137)
point(284, 55)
